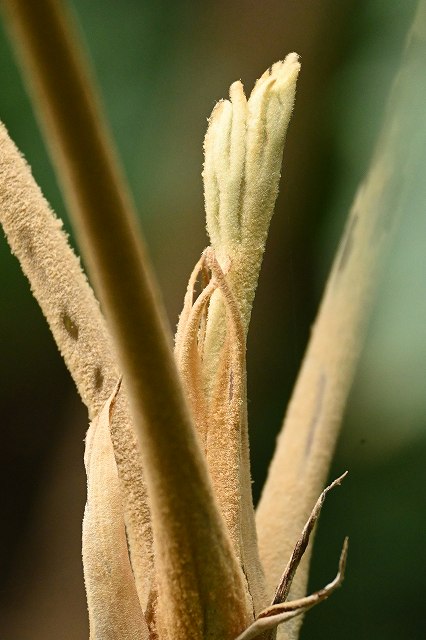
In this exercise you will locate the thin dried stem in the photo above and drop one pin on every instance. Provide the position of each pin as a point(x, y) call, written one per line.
point(306, 444)
point(284, 586)
point(269, 620)
point(311, 600)
point(194, 558)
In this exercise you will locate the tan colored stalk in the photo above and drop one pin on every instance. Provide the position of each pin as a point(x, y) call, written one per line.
point(39, 242)
point(195, 564)
point(37, 239)
point(306, 444)
point(243, 153)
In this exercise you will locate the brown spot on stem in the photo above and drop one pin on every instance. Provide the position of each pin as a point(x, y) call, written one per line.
point(98, 378)
point(27, 244)
point(69, 325)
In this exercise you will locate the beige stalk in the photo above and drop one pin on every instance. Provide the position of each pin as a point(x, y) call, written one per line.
point(305, 447)
point(36, 237)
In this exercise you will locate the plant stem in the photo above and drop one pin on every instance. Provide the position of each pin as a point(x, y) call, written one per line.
point(57, 281)
point(194, 560)
point(305, 447)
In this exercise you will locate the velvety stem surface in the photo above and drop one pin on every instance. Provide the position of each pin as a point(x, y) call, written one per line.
point(200, 586)
point(306, 444)
point(36, 237)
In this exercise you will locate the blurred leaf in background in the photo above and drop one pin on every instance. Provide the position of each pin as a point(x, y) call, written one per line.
point(161, 67)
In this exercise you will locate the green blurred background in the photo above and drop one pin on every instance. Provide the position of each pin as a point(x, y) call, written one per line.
point(161, 66)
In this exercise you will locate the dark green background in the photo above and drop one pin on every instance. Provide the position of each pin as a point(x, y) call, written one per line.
point(161, 66)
